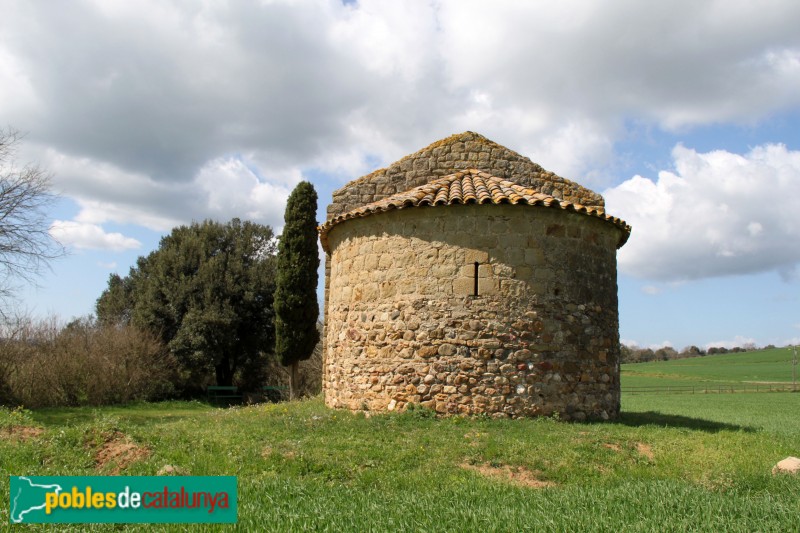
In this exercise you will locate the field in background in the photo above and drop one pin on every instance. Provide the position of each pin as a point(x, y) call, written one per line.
point(759, 370)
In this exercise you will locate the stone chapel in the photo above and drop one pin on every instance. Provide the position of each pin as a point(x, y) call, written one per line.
point(468, 279)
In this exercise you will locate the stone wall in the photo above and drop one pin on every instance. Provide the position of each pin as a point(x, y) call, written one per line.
point(458, 152)
point(541, 336)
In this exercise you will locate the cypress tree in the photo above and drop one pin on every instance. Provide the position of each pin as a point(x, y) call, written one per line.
point(296, 308)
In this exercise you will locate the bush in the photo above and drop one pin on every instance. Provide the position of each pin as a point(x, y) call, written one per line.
point(45, 365)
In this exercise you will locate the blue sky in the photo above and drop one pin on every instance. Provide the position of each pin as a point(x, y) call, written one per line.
point(685, 115)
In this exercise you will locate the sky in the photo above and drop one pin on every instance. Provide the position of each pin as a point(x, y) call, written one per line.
point(685, 115)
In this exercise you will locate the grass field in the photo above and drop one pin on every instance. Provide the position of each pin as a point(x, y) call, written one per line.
point(671, 463)
point(738, 369)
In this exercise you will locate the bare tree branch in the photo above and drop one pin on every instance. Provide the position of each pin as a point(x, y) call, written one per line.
point(26, 246)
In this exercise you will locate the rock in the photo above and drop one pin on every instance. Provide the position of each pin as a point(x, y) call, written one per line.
point(790, 465)
point(169, 470)
point(447, 350)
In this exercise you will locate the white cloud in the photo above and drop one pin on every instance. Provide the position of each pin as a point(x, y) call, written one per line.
point(652, 290)
point(717, 214)
point(662, 344)
point(162, 89)
point(738, 341)
point(231, 189)
point(90, 237)
point(674, 64)
point(223, 189)
point(170, 111)
point(636, 346)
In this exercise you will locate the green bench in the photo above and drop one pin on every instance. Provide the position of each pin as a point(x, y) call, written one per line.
point(223, 393)
point(274, 393)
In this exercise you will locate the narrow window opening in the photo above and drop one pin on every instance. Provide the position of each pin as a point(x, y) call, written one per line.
point(475, 289)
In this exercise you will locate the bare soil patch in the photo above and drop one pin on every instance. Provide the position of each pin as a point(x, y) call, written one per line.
point(118, 452)
point(518, 475)
point(645, 450)
point(170, 470)
point(22, 433)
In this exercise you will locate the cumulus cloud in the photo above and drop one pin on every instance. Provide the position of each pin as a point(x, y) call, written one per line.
point(635, 345)
point(159, 112)
point(682, 55)
point(232, 189)
point(162, 88)
point(222, 189)
point(738, 341)
point(716, 214)
point(90, 237)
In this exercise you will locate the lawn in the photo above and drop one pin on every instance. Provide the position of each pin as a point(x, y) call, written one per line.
point(671, 463)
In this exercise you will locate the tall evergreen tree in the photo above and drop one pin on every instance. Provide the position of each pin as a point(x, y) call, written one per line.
point(296, 308)
point(207, 293)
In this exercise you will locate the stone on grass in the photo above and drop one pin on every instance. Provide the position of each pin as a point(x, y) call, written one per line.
point(790, 465)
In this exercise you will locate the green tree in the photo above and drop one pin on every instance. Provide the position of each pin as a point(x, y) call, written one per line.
point(208, 293)
point(115, 305)
point(296, 308)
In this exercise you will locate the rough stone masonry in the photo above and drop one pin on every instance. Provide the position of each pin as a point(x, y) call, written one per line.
point(467, 279)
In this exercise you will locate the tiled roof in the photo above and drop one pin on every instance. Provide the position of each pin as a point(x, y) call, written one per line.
point(470, 186)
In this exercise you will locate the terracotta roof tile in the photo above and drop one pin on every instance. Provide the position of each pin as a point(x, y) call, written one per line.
point(470, 186)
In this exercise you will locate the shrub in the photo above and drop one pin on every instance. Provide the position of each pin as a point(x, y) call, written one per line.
point(44, 365)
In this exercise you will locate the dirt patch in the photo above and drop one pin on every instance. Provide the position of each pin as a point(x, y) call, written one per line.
point(645, 450)
point(641, 448)
point(118, 453)
point(281, 450)
point(515, 474)
point(23, 433)
point(170, 470)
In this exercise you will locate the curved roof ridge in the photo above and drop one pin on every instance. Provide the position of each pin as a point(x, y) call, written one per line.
point(470, 186)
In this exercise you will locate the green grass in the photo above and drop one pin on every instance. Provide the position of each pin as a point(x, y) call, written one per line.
point(738, 369)
point(671, 463)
